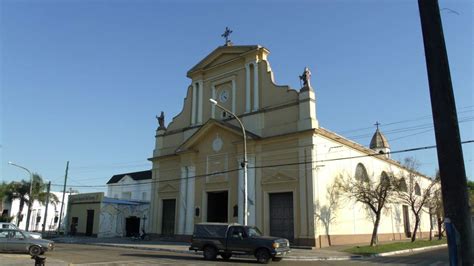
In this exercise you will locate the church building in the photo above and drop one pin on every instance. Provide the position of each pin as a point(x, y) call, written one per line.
point(292, 162)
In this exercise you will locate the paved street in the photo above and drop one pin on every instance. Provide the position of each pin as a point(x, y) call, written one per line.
point(76, 254)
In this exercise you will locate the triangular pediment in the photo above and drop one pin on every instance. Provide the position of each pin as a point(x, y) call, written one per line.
point(221, 55)
point(210, 126)
point(278, 177)
point(126, 179)
point(167, 188)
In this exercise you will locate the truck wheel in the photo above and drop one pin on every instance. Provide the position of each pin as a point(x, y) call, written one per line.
point(226, 256)
point(263, 256)
point(210, 253)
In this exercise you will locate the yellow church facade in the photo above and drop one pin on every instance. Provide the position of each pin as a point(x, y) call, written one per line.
point(292, 161)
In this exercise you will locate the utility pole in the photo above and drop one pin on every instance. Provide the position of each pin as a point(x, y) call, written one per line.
point(64, 194)
point(448, 140)
point(46, 209)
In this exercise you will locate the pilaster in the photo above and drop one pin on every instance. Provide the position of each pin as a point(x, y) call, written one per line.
point(307, 110)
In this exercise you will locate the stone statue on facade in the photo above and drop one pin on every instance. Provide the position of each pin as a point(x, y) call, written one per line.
point(161, 121)
point(306, 78)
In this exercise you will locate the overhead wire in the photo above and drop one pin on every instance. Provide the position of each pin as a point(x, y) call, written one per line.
point(271, 166)
point(291, 156)
point(131, 163)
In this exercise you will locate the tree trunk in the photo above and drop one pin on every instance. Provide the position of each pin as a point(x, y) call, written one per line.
point(20, 210)
point(326, 225)
point(440, 227)
point(373, 241)
point(417, 222)
point(28, 216)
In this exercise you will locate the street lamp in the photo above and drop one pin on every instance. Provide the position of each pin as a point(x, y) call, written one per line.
point(244, 163)
point(30, 195)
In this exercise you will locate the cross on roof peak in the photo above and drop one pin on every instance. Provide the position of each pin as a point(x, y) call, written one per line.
point(226, 35)
point(377, 124)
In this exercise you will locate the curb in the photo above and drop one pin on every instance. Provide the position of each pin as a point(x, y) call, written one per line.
point(408, 250)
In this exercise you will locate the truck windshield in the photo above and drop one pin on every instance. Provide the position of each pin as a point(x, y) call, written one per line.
point(253, 231)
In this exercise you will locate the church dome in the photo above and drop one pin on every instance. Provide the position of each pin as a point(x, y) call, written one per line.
point(379, 141)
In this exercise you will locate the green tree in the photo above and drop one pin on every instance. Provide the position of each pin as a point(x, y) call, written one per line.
point(21, 191)
point(3, 193)
point(470, 188)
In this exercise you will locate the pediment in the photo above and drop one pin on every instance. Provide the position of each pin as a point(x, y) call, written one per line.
point(167, 188)
point(126, 179)
point(221, 55)
point(210, 126)
point(278, 177)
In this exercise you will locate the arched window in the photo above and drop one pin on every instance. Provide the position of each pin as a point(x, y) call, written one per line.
point(403, 185)
point(361, 173)
point(417, 189)
point(384, 177)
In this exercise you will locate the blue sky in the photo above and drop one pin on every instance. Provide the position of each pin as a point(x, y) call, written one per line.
point(82, 81)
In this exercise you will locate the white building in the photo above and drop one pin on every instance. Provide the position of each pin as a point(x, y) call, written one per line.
point(12, 208)
point(130, 186)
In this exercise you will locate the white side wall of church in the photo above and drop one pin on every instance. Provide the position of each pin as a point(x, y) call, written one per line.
point(353, 217)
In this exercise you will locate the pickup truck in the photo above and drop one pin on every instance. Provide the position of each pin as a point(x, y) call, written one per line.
point(235, 239)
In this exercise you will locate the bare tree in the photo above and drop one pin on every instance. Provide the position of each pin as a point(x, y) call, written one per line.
point(435, 203)
point(326, 212)
point(411, 193)
point(374, 194)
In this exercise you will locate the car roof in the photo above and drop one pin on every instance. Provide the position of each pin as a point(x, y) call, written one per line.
point(10, 229)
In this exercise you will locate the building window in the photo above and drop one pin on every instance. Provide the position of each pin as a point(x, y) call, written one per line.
point(417, 190)
point(127, 195)
point(361, 173)
point(403, 185)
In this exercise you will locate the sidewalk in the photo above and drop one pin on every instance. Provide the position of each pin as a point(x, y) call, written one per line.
point(182, 247)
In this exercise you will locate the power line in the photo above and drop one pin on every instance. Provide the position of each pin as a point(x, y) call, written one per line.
point(271, 166)
point(290, 153)
point(131, 164)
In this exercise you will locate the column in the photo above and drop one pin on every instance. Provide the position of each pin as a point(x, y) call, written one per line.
point(233, 95)
point(183, 200)
point(255, 86)
point(199, 104)
point(247, 88)
point(213, 107)
point(193, 106)
point(189, 227)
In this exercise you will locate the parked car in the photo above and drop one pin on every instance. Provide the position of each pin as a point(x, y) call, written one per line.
point(228, 239)
point(14, 240)
point(13, 226)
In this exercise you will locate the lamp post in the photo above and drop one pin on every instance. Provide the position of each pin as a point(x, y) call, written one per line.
point(30, 196)
point(244, 163)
